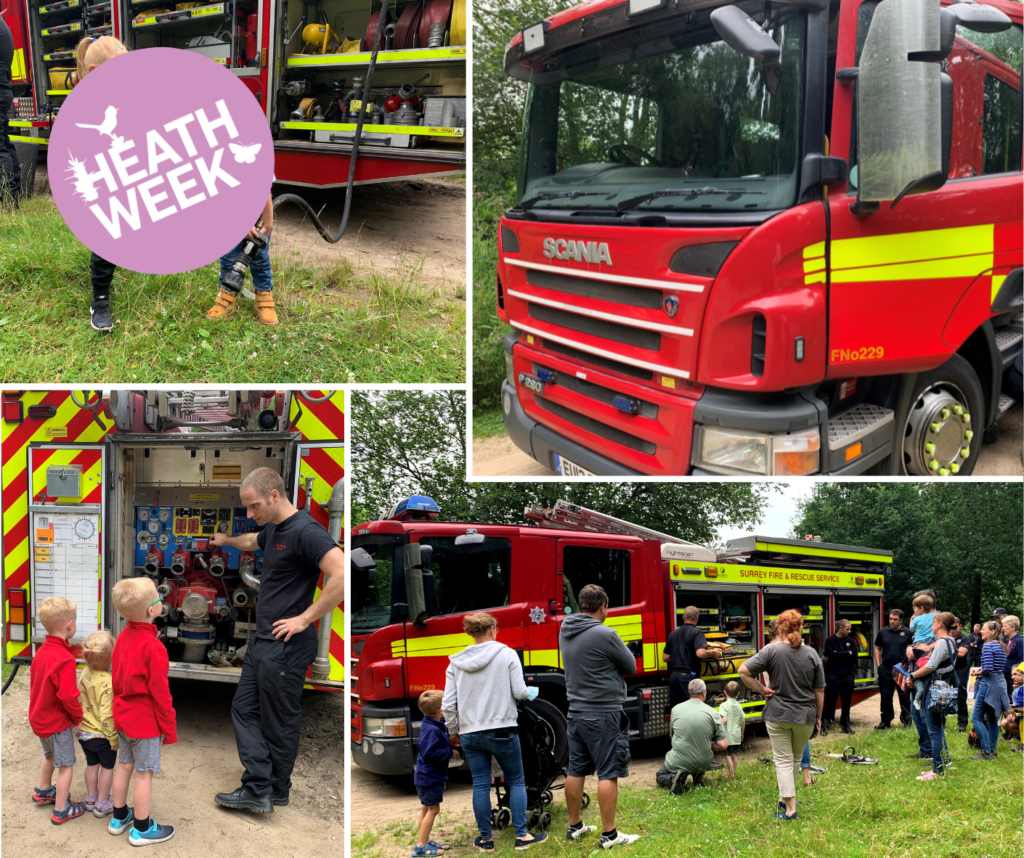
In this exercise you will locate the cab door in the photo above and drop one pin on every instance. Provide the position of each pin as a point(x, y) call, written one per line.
point(67, 538)
point(908, 285)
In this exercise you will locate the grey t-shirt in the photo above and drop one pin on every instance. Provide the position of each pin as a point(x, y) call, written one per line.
point(794, 675)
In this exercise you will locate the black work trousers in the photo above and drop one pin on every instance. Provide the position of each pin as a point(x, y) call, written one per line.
point(840, 687)
point(10, 166)
point(267, 713)
point(886, 686)
point(102, 274)
point(678, 690)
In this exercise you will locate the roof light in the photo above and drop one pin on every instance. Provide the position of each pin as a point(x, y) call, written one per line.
point(415, 507)
point(546, 375)
point(641, 7)
point(534, 36)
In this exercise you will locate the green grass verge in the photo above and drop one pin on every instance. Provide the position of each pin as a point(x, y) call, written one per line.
point(852, 812)
point(487, 423)
point(335, 326)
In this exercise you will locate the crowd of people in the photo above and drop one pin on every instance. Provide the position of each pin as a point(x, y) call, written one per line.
point(928, 665)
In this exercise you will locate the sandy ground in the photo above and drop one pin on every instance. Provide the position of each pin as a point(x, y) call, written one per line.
point(498, 456)
point(202, 763)
point(395, 226)
point(377, 802)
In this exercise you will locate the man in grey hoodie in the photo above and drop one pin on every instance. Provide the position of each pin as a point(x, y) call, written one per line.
point(595, 660)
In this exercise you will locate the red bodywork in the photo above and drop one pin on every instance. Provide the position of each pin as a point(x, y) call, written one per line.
point(878, 327)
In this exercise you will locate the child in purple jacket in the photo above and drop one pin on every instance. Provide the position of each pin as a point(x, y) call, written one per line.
point(431, 774)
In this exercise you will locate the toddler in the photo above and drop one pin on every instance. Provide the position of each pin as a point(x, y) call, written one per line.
point(225, 303)
point(96, 734)
point(431, 770)
point(734, 722)
point(143, 711)
point(54, 711)
point(921, 626)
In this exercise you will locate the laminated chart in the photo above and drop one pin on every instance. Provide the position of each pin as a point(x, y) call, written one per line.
point(66, 555)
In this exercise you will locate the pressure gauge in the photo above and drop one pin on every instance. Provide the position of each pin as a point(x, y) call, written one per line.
point(143, 538)
point(143, 514)
point(222, 527)
point(164, 514)
point(153, 526)
point(85, 529)
point(163, 540)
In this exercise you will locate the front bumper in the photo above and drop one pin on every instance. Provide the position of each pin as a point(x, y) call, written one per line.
point(398, 756)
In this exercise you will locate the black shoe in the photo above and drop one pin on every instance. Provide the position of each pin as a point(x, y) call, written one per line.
point(963, 729)
point(99, 314)
point(714, 767)
point(244, 799)
point(279, 799)
point(882, 726)
point(848, 730)
point(919, 756)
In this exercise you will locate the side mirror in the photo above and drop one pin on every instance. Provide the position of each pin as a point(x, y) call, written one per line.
point(359, 560)
point(415, 594)
point(744, 35)
point(981, 19)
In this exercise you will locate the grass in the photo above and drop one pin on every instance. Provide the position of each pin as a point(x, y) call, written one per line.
point(335, 326)
point(852, 812)
point(488, 423)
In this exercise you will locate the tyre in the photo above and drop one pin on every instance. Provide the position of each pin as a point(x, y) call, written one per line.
point(1014, 385)
point(545, 821)
point(553, 732)
point(947, 410)
point(547, 797)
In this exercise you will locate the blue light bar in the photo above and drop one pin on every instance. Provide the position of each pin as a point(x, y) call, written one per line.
point(414, 504)
point(626, 404)
point(546, 375)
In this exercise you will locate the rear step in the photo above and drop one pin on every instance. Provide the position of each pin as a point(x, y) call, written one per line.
point(857, 423)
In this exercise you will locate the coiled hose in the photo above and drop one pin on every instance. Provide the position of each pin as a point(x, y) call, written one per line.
point(10, 679)
point(299, 201)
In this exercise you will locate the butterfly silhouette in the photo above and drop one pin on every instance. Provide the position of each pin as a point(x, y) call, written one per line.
point(245, 154)
point(108, 125)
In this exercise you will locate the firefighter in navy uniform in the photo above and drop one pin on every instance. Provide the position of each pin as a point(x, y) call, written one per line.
point(890, 650)
point(10, 167)
point(841, 655)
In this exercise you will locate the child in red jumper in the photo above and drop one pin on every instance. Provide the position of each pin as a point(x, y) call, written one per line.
point(54, 711)
point(143, 710)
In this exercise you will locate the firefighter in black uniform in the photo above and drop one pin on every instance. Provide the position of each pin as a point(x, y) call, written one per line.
point(890, 650)
point(10, 167)
point(841, 653)
point(685, 647)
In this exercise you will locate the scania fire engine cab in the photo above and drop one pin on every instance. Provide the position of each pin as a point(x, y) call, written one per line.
point(98, 488)
point(764, 238)
point(414, 579)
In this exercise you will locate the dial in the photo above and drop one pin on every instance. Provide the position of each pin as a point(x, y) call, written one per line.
point(223, 527)
point(85, 529)
point(153, 526)
point(164, 514)
point(163, 540)
point(143, 514)
point(143, 538)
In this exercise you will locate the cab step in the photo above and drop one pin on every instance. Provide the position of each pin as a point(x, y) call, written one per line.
point(1006, 404)
point(1008, 341)
point(857, 423)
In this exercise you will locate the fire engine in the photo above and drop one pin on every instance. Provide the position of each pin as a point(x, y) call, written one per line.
point(764, 238)
point(97, 488)
point(415, 578)
point(305, 65)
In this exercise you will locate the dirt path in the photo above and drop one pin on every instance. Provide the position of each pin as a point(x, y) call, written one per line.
point(385, 805)
point(394, 226)
point(202, 763)
point(498, 456)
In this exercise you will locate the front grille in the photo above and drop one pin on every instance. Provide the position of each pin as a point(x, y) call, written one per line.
point(597, 360)
point(619, 293)
point(596, 427)
point(596, 391)
point(597, 327)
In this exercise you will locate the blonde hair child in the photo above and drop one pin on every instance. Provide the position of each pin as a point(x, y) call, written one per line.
point(97, 734)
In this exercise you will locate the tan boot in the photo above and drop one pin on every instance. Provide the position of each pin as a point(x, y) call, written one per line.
point(265, 308)
point(223, 306)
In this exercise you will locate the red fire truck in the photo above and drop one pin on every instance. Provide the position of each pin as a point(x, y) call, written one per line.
point(764, 238)
point(99, 488)
point(414, 579)
point(303, 71)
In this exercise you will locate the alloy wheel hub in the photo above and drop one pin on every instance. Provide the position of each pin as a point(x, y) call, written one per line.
point(938, 436)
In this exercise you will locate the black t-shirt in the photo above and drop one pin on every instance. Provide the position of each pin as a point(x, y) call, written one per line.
point(292, 551)
point(841, 654)
point(6, 54)
point(682, 646)
point(963, 663)
point(894, 644)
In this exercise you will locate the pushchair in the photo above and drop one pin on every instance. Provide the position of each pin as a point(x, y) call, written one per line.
point(545, 749)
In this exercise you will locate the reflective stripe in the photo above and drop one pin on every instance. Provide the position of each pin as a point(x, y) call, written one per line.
point(912, 247)
point(541, 658)
point(932, 269)
point(997, 282)
point(595, 314)
point(629, 627)
point(822, 552)
point(813, 250)
point(672, 371)
point(650, 657)
point(606, 278)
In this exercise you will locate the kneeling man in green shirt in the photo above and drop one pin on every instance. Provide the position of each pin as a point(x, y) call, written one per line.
point(697, 732)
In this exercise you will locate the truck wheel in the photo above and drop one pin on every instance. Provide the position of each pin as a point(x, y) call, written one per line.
point(947, 410)
point(553, 729)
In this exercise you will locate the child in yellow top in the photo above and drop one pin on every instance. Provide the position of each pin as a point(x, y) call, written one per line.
point(97, 734)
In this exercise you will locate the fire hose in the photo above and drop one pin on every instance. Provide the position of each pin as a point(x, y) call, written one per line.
point(299, 201)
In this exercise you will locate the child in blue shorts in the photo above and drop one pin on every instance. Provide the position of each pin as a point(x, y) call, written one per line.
point(431, 774)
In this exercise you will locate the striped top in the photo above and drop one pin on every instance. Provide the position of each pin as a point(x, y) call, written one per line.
point(993, 659)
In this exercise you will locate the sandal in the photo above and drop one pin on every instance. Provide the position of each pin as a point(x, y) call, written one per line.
point(442, 846)
point(427, 851)
point(928, 776)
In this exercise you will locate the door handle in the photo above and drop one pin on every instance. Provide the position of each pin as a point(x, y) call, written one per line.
point(554, 606)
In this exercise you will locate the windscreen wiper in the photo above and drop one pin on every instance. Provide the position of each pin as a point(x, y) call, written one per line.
point(562, 195)
point(632, 202)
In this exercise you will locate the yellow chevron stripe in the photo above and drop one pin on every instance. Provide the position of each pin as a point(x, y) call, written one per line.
point(310, 425)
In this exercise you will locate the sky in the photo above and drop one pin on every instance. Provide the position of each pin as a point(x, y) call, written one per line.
point(779, 515)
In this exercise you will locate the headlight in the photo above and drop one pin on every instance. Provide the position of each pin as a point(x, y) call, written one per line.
point(384, 727)
point(510, 373)
point(757, 453)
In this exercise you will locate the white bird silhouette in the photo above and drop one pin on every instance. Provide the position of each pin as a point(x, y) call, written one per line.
point(245, 154)
point(108, 124)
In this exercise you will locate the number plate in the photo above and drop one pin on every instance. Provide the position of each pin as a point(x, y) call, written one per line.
point(532, 383)
point(566, 468)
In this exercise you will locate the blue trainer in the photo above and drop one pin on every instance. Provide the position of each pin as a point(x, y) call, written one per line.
point(120, 826)
point(154, 834)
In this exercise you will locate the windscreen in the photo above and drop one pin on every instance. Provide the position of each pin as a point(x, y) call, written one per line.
point(667, 107)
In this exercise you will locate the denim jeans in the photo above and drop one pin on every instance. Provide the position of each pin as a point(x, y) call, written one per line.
point(262, 280)
point(985, 725)
point(936, 722)
point(924, 742)
point(479, 748)
point(805, 760)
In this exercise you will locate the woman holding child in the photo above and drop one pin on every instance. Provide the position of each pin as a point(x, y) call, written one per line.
point(940, 663)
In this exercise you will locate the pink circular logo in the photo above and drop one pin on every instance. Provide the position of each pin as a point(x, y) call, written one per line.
point(160, 160)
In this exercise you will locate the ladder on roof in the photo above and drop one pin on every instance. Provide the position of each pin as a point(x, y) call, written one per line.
point(569, 516)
